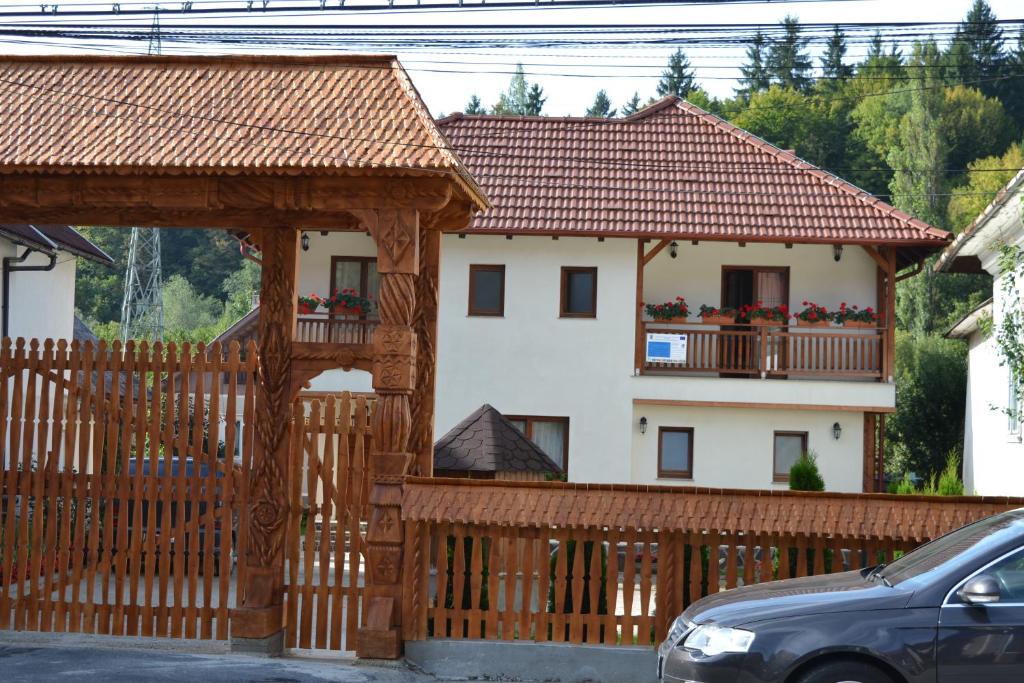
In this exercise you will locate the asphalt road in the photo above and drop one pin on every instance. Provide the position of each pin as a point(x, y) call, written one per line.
point(48, 662)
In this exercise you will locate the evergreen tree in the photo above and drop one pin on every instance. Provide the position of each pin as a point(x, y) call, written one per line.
point(521, 98)
point(632, 106)
point(474, 106)
point(976, 51)
point(834, 70)
point(602, 106)
point(678, 78)
point(755, 71)
point(789, 65)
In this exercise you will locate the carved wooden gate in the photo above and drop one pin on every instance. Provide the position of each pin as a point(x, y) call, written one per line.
point(123, 486)
point(325, 550)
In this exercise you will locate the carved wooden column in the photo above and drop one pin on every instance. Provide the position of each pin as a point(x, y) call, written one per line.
point(425, 323)
point(256, 625)
point(396, 232)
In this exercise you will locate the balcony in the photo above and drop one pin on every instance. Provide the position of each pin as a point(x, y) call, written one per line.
point(329, 329)
point(763, 351)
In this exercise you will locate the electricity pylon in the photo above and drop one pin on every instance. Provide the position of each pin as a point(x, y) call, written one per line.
point(142, 310)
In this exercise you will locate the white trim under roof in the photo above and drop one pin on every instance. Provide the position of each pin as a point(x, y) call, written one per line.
point(966, 243)
point(971, 322)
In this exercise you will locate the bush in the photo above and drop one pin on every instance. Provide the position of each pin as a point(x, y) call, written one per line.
point(905, 486)
point(804, 475)
point(949, 480)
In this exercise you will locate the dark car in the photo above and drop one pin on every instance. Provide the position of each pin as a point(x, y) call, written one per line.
point(951, 611)
point(194, 517)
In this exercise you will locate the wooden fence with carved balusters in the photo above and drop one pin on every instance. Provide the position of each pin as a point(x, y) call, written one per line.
point(121, 490)
point(613, 565)
point(329, 491)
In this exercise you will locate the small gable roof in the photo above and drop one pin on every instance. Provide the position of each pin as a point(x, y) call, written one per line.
point(671, 170)
point(51, 238)
point(487, 442)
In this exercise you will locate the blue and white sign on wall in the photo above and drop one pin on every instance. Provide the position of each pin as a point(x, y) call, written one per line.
point(666, 348)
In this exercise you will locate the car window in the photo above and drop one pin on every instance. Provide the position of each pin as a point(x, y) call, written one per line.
point(945, 548)
point(1009, 573)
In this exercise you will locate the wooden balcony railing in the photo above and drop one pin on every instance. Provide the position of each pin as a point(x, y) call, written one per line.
point(325, 329)
point(769, 351)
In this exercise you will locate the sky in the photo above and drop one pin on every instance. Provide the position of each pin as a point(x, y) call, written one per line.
point(620, 71)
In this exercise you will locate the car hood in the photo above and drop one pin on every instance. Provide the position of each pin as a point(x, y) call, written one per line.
point(844, 592)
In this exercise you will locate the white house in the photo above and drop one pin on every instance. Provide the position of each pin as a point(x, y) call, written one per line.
point(993, 452)
point(37, 285)
point(542, 299)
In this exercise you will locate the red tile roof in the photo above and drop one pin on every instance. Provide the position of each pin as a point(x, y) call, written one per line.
point(671, 170)
point(226, 114)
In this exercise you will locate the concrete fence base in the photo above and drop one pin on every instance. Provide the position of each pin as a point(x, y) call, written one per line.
point(526, 661)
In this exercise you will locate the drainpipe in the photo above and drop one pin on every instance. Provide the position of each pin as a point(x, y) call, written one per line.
point(11, 265)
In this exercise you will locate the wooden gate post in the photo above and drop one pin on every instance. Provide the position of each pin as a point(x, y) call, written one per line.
point(427, 292)
point(256, 626)
point(396, 232)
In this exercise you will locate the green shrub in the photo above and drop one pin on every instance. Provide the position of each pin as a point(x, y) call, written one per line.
point(906, 487)
point(949, 479)
point(804, 475)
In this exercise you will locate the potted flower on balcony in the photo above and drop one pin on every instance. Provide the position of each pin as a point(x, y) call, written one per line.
point(347, 302)
point(813, 315)
point(853, 316)
point(713, 315)
point(759, 314)
point(309, 304)
point(669, 312)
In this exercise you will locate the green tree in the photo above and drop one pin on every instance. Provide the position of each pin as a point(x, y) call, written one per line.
point(678, 78)
point(976, 50)
point(186, 311)
point(240, 288)
point(931, 385)
point(789, 64)
point(99, 289)
point(976, 126)
point(602, 106)
point(474, 106)
point(804, 474)
point(834, 70)
point(985, 177)
point(791, 120)
point(632, 106)
point(755, 71)
point(521, 98)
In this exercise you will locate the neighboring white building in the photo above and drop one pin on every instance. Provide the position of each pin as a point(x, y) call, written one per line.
point(541, 300)
point(37, 279)
point(993, 452)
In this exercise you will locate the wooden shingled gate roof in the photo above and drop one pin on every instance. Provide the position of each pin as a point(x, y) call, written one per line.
point(689, 509)
point(487, 442)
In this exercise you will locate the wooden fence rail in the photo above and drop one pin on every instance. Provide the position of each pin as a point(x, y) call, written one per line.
point(613, 565)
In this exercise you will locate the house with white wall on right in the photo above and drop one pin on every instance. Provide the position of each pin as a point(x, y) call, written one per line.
point(993, 449)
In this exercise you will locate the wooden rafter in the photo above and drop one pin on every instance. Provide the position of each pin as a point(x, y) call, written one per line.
point(649, 256)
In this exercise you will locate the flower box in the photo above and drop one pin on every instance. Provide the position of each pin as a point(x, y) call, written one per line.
point(811, 323)
point(766, 322)
point(857, 323)
point(674, 320)
point(345, 310)
point(306, 309)
point(719, 320)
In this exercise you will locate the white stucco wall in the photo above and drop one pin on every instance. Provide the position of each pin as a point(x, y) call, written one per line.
point(733, 448)
point(42, 303)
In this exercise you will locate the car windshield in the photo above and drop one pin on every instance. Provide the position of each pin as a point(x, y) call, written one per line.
point(945, 548)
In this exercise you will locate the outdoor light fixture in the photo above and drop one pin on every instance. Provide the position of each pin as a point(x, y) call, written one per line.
point(837, 431)
point(837, 252)
point(643, 425)
point(673, 249)
point(305, 242)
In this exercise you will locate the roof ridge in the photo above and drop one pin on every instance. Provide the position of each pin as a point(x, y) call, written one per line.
point(325, 60)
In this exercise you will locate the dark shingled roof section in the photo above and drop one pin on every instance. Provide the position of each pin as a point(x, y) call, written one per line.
point(487, 442)
point(50, 238)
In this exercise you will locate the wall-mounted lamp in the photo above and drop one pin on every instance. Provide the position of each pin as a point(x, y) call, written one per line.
point(643, 425)
point(837, 252)
point(837, 431)
point(673, 249)
point(305, 242)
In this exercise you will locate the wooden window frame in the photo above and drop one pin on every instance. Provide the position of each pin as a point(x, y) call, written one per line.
point(364, 274)
point(783, 478)
point(564, 297)
point(530, 419)
point(487, 268)
point(763, 269)
point(675, 474)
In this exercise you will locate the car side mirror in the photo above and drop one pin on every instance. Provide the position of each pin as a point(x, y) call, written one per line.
point(980, 590)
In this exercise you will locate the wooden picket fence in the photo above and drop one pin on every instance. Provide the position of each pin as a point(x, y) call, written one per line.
point(123, 500)
point(613, 565)
point(329, 489)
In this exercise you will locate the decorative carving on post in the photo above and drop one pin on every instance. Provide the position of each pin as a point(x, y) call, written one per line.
point(394, 380)
point(425, 324)
point(259, 616)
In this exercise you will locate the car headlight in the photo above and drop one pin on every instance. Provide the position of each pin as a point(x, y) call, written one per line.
point(679, 628)
point(711, 640)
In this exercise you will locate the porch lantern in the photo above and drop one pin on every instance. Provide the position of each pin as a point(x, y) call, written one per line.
point(837, 252)
point(837, 431)
point(305, 241)
point(643, 425)
point(673, 249)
